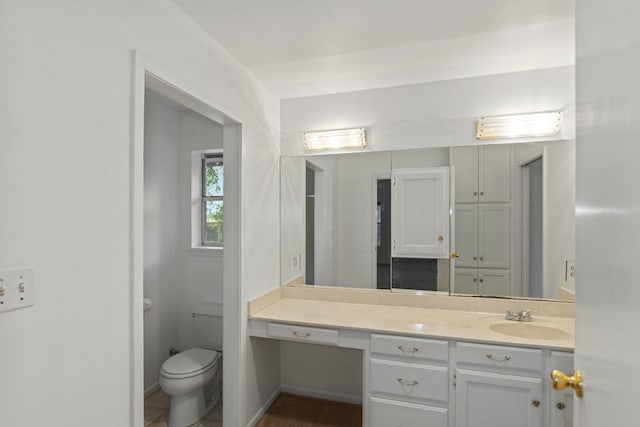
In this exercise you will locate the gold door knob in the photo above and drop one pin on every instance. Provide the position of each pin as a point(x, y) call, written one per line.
point(560, 381)
point(454, 255)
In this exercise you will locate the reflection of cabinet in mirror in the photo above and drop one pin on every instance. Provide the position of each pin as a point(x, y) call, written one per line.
point(483, 212)
point(420, 213)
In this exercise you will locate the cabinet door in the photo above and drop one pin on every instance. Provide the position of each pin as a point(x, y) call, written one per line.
point(486, 399)
point(466, 235)
point(562, 400)
point(420, 213)
point(494, 173)
point(465, 281)
point(494, 282)
point(494, 235)
point(465, 160)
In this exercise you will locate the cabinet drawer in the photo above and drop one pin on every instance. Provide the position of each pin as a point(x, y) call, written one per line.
point(413, 349)
point(405, 380)
point(385, 413)
point(500, 357)
point(303, 333)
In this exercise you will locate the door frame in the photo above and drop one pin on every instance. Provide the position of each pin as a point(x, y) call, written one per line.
point(146, 73)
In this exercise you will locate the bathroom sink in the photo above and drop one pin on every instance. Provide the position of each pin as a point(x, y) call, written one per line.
point(530, 330)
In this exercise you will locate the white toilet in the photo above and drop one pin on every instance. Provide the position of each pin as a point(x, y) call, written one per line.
point(193, 378)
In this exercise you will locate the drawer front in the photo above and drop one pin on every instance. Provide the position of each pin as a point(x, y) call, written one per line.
point(303, 333)
point(404, 380)
point(414, 349)
point(389, 413)
point(500, 357)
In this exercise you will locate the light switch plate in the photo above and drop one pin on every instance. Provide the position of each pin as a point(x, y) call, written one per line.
point(570, 272)
point(17, 289)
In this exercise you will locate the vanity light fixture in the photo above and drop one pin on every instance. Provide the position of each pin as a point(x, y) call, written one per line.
point(519, 125)
point(335, 139)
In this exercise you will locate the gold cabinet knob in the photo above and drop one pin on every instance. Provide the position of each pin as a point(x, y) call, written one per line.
point(475, 258)
point(536, 403)
point(441, 238)
point(475, 193)
point(560, 406)
point(482, 193)
point(560, 381)
point(481, 258)
point(454, 255)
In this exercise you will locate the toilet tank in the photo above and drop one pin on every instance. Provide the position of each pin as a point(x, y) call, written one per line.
point(208, 325)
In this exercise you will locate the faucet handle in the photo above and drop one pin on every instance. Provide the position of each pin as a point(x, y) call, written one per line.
point(510, 315)
point(525, 316)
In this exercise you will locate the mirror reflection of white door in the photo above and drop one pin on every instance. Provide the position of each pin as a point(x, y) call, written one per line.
point(608, 212)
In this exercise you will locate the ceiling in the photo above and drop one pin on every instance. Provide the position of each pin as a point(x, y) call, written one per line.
point(312, 47)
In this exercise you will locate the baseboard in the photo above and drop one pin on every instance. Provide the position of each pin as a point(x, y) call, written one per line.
point(151, 389)
point(322, 394)
point(263, 408)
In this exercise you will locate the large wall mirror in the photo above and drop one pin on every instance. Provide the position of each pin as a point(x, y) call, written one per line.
point(493, 220)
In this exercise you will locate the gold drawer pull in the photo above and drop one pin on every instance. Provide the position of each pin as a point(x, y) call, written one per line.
point(407, 382)
point(301, 335)
point(408, 350)
point(504, 359)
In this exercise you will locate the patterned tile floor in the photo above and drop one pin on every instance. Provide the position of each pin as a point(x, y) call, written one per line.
point(156, 412)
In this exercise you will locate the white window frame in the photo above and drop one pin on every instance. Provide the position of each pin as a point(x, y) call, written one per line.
point(198, 160)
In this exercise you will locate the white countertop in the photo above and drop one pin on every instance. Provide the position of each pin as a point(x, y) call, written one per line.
point(462, 325)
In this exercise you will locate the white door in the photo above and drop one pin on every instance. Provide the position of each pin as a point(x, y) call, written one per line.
point(420, 213)
point(486, 399)
point(494, 173)
point(607, 212)
point(494, 241)
point(465, 161)
point(466, 234)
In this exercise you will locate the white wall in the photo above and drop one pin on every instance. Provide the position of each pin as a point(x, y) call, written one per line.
point(431, 114)
point(201, 270)
point(162, 146)
point(65, 170)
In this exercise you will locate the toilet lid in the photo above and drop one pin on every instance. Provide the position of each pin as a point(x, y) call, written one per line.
point(190, 361)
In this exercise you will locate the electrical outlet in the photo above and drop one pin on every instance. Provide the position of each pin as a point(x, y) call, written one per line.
point(570, 272)
point(17, 289)
point(294, 262)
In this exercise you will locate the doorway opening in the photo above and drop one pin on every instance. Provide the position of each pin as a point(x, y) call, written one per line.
point(531, 228)
point(169, 127)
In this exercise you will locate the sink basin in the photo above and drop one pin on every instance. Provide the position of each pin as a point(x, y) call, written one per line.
point(530, 330)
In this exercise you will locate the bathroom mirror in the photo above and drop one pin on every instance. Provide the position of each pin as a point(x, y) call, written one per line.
point(510, 228)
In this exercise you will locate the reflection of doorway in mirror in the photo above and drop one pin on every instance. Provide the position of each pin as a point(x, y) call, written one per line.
point(383, 234)
point(310, 189)
point(532, 228)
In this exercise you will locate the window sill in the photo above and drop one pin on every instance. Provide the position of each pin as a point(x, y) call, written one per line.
point(206, 251)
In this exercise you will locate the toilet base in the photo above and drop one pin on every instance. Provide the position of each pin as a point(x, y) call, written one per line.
point(187, 409)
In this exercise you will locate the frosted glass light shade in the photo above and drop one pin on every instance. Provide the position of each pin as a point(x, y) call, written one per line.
point(335, 139)
point(519, 125)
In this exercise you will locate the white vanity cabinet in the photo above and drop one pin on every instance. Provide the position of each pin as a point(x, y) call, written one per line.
point(498, 386)
point(408, 382)
point(482, 173)
point(420, 213)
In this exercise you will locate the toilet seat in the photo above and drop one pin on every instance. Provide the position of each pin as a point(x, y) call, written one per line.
point(189, 363)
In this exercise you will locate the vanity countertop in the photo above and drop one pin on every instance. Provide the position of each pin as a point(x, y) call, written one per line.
point(463, 325)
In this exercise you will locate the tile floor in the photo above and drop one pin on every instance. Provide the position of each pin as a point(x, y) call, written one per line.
point(156, 412)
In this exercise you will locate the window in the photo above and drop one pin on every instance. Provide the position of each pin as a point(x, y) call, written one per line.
point(212, 199)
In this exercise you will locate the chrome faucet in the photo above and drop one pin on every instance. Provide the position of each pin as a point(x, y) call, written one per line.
point(521, 316)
